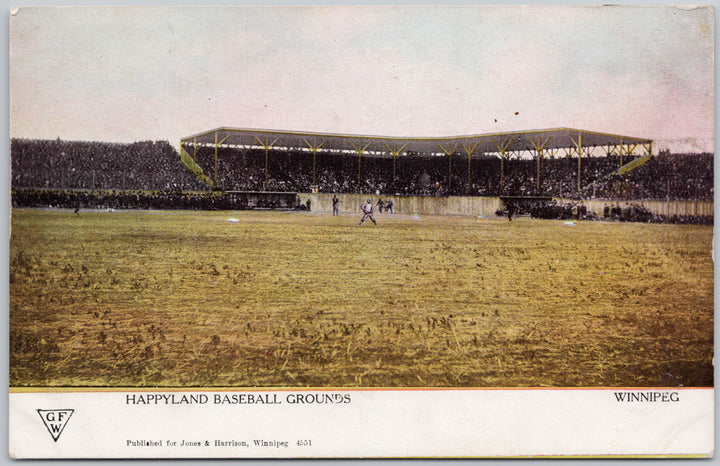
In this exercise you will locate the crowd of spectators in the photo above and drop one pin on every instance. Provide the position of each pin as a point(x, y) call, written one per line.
point(553, 209)
point(576, 210)
point(58, 164)
point(665, 177)
point(161, 200)
point(156, 165)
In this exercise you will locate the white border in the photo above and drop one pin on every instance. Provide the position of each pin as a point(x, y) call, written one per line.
point(4, 182)
point(460, 423)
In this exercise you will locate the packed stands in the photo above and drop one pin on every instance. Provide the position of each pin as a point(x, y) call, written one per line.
point(58, 164)
point(156, 165)
point(158, 200)
point(664, 177)
point(671, 177)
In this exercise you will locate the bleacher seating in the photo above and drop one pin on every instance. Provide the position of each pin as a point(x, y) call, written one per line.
point(57, 164)
point(156, 165)
point(687, 176)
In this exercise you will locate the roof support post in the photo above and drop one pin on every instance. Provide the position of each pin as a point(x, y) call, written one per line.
point(267, 145)
point(580, 156)
point(502, 172)
point(469, 181)
point(537, 177)
point(314, 148)
point(469, 149)
point(579, 146)
point(217, 145)
point(567, 163)
point(216, 157)
point(449, 151)
point(267, 171)
point(360, 151)
point(394, 168)
point(503, 148)
point(539, 147)
point(395, 152)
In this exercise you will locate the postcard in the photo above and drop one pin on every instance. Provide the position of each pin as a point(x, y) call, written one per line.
point(361, 232)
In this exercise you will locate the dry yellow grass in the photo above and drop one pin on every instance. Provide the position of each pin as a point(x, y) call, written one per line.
point(138, 298)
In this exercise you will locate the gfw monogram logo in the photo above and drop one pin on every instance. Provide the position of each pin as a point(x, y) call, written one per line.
point(55, 420)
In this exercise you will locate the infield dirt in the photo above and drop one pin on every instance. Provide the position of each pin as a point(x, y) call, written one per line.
point(280, 299)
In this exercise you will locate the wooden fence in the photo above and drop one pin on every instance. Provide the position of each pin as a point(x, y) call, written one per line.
point(667, 208)
point(486, 206)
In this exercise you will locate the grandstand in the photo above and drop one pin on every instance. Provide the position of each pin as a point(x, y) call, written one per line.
point(565, 160)
point(73, 165)
point(281, 169)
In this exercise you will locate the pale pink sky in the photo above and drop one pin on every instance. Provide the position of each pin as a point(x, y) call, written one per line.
point(136, 73)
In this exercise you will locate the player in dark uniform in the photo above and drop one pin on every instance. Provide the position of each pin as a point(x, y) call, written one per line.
point(389, 207)
point(367, 210)
point(511, 210)
point(380, 205)
point(336, 209)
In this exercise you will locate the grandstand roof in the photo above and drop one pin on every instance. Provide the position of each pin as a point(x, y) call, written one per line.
point(535, 140)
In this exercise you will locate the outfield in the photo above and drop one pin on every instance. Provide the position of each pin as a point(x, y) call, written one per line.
point(290, 299)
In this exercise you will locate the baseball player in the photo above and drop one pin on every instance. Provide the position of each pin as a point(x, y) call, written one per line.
point(367, 210)
point(335, 204)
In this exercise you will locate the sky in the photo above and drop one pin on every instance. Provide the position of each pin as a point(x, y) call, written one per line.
point(123, 74)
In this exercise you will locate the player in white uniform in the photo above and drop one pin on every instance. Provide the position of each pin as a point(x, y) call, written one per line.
point(367, 210)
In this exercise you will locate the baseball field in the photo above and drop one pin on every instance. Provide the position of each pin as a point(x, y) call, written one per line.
point(300, 299)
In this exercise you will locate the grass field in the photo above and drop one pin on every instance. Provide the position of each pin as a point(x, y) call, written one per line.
point(278, 299)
